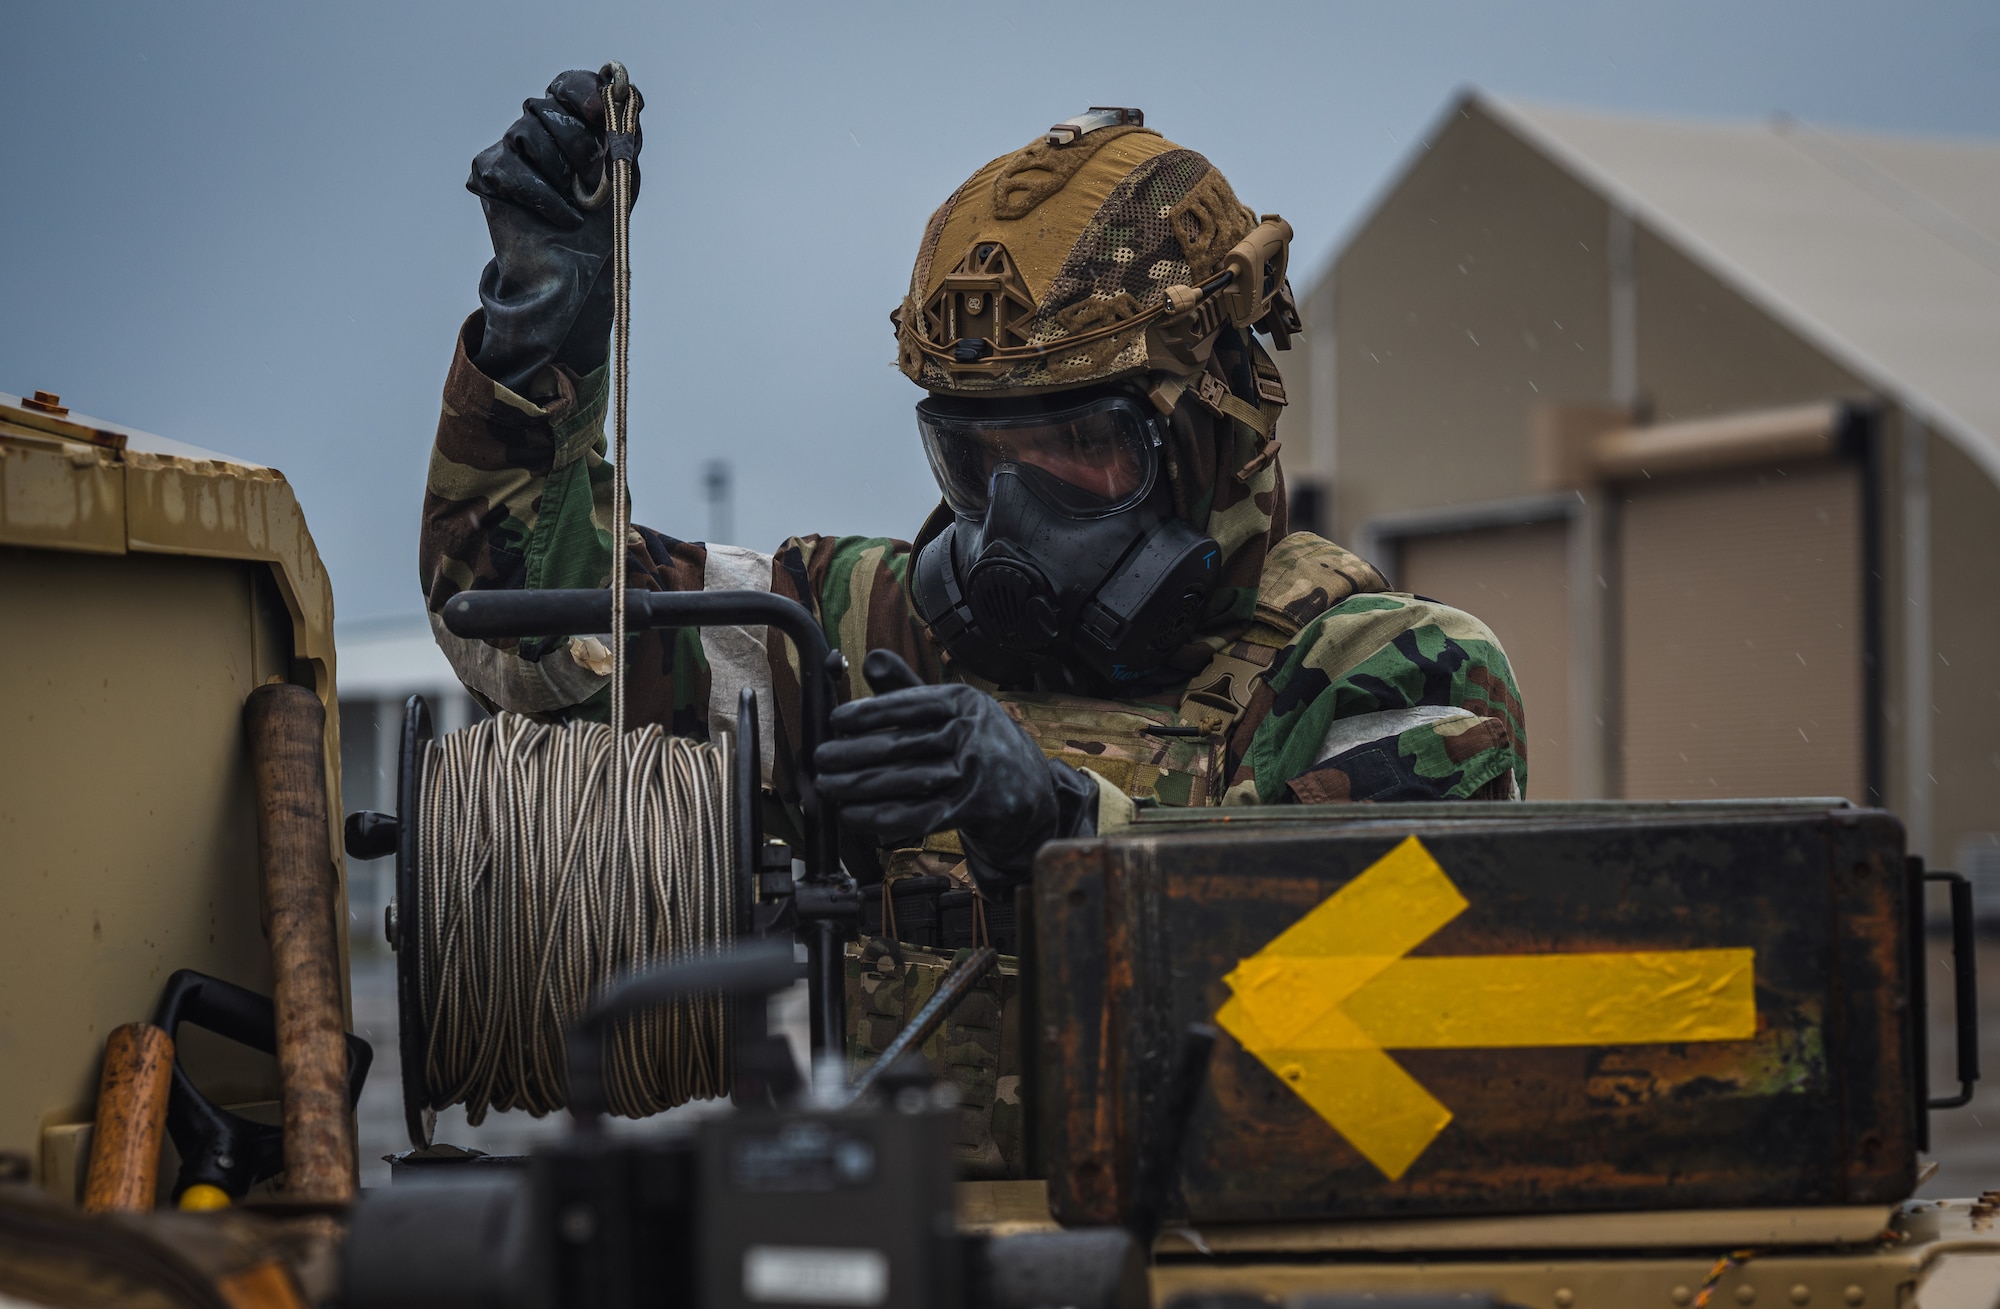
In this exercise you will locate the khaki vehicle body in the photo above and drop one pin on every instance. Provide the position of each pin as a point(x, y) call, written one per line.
point(147, 588)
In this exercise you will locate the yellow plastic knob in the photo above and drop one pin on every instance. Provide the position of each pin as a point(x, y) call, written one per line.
point(202, 1197)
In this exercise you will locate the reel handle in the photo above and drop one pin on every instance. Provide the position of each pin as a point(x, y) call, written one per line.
point(586, 611)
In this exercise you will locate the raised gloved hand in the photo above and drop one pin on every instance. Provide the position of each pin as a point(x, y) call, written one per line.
point(915, 759)
point(547, 291)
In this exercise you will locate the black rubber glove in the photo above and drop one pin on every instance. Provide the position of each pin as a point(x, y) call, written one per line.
point(547, 291)
point(915, 759)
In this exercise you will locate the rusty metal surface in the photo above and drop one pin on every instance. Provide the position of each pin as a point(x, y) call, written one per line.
point(1134, 937)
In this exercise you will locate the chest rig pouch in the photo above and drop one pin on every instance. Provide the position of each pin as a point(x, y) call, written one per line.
point(1168, 754)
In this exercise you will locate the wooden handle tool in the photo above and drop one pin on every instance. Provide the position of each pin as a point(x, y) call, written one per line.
point(287, 728)
point(131, 1120)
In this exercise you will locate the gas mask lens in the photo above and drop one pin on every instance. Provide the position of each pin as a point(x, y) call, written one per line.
point(1089, 459)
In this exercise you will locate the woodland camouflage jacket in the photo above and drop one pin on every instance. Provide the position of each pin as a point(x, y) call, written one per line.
point(1331, 687)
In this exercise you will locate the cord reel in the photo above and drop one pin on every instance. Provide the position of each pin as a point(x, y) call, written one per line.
point(820, 909)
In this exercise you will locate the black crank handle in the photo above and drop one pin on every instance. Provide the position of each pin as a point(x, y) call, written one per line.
point(585, 611)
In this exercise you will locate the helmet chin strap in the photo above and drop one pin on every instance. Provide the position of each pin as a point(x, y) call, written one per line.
point(1255, 397)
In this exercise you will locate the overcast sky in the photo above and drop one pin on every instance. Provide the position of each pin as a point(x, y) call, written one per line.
point(245, 225)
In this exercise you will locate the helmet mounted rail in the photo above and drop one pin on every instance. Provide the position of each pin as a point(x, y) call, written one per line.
point(974, 322)
point(1069, 129)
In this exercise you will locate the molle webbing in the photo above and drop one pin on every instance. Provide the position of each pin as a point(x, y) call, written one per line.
point(1138, 748)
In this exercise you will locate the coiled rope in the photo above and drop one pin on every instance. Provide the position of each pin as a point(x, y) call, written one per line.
point(550, 863)
point(529, 903)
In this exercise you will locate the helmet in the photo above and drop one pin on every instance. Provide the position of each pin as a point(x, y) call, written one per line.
point(1098, 251)
point(1065, 302)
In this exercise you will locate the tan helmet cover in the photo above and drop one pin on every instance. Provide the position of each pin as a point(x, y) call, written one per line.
point(1051, 267)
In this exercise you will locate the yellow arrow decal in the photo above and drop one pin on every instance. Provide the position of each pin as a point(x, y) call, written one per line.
point(1321, 1004)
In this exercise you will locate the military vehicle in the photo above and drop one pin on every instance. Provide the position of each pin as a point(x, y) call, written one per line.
point(1488, 1053)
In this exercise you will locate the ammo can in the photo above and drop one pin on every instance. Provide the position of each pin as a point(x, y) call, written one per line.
point(1491, 1008)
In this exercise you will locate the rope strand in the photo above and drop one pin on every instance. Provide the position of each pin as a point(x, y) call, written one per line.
point(620, 116)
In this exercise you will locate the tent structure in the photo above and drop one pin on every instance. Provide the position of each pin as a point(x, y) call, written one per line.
point(1704, 419)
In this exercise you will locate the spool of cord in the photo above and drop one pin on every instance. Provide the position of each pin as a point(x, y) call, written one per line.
point(538, 883)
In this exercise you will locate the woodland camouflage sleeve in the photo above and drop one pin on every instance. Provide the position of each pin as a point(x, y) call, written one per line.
point(856, 587)
point(519, 495)
point(1388, 697)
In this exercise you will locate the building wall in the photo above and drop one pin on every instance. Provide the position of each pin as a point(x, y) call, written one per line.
point(1478, 290)
point(1308, 428)
point(1703, 350)
point(1482, 287)
point(1516, 579)
point(1965, 673)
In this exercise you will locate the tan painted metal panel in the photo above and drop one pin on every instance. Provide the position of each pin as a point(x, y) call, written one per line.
point(127, 840)
point(1926, 1255)
point(1516, 580)
point(229, 510)
point(1673, 1229)
point(1740, 636)
point(127, 829)
point(1010, 1207)
point(1871, 1277)
point(67, 495)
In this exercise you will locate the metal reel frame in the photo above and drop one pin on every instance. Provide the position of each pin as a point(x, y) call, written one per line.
point(412, 1031)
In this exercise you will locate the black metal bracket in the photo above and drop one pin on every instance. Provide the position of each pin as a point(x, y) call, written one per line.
point(219, 1148)
point(411, 1022)
point(1965, 989)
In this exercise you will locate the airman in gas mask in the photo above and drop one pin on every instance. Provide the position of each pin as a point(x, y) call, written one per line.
point(1104, 611)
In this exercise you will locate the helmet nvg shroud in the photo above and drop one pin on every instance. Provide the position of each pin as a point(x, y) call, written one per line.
point(1098, 251)
point(1099, 256)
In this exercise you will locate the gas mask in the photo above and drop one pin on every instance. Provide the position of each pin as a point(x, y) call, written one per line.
point(1064, 557)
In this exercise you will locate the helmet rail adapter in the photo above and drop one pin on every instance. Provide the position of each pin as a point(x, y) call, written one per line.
point(1099, 251)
